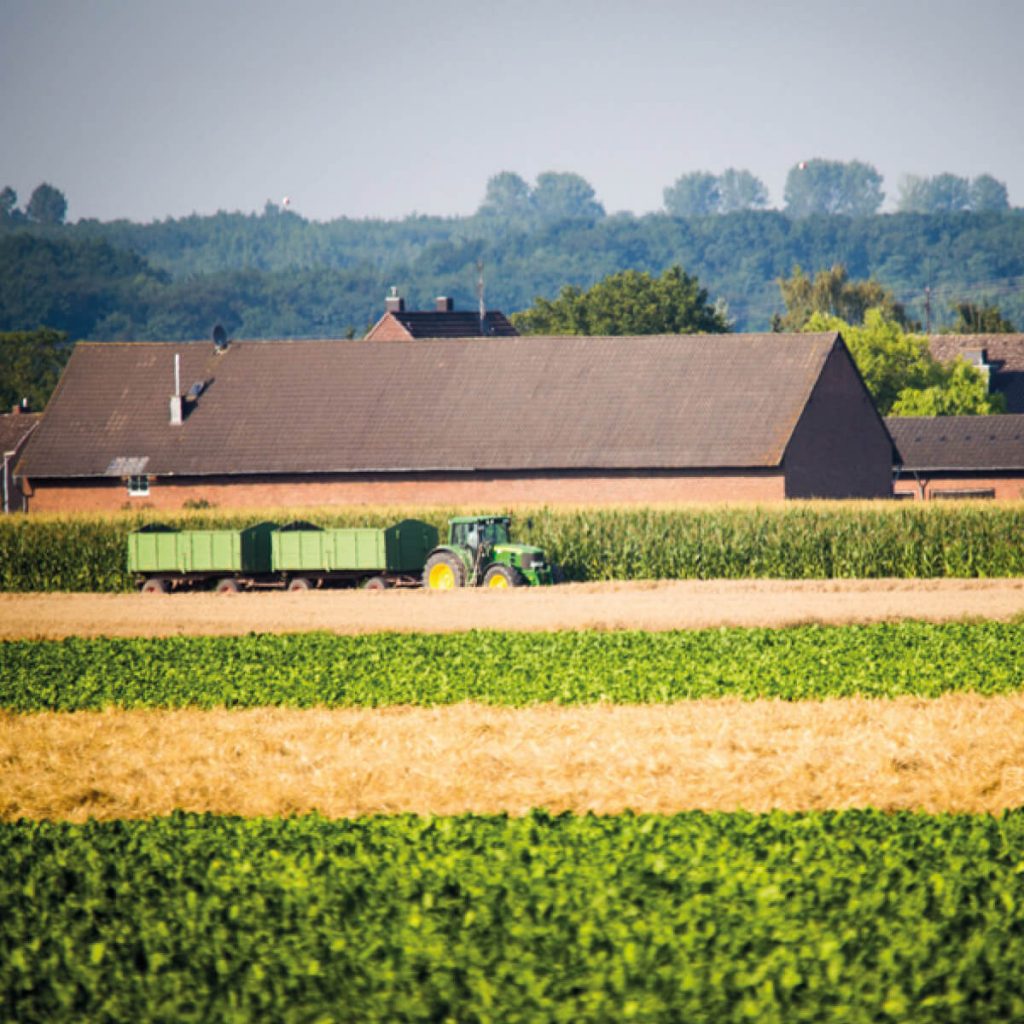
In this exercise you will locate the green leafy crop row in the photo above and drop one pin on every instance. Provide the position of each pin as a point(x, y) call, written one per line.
point(307, 669)
point(855, 916)
point(794, 541)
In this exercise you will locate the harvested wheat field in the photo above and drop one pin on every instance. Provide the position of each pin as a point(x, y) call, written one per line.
point(650, 605)
point(955, 753)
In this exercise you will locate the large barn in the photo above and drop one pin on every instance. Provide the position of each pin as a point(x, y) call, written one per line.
point(486, 421)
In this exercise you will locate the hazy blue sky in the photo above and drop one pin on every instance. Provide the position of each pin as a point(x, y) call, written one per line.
point(147, 109)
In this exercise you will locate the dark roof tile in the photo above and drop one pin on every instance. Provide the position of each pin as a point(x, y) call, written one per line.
point(492, 404)
point(959, 443)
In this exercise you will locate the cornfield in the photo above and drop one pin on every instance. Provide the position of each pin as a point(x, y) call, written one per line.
point(793, 541)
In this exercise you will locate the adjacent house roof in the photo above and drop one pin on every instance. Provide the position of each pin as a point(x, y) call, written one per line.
point(444, 321)
point(456, 324)
point(521, 403)
point(14, 428)
point(1003, 353)
point(959, 443)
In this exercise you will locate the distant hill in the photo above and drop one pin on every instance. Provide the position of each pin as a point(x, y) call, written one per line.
point(277, 275)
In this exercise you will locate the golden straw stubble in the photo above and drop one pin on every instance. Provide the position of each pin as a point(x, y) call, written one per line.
point(959, 752)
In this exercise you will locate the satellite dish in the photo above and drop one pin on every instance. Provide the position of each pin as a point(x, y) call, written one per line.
point(220, 337)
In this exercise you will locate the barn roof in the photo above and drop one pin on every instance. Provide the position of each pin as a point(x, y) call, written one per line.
point(959, 443)
point(14, 427)
point(521, 403)
point(1003, 353)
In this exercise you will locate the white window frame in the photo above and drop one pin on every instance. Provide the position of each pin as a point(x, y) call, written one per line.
point(138, 486)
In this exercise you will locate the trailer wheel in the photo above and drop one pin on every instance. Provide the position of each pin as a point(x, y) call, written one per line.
point(376, 583)
point(227, 586)
point(444, 571)
point(498, 577)
point(156, 585)
point(299, 583)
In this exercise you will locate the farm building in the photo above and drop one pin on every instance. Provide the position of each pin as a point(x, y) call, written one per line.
point(1000, 357)
point(959, 456)
point(15, 428)
point(487, 421)
point(443, 321)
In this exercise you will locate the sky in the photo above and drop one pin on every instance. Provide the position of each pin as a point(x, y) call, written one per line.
point(147, 109)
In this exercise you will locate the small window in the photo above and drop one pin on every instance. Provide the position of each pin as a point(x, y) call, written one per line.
point(138, 486)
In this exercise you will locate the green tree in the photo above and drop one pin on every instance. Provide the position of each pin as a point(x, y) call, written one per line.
point(972, 318)
point(740, 190)
point(963, 391)
point(831, 187)
point(902, 374)
point(629, 302)
point(693, 195)
point(948, 193)
point(988, 195)
point(507, 198)
point(833, 293)
point(47, 205)
point(30, 365)
point(944, 193)
point(9, 205)
point(562, 196)
point(700, 193)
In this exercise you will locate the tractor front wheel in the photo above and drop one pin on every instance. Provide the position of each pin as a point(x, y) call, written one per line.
point(498, 577)
point(444, 571)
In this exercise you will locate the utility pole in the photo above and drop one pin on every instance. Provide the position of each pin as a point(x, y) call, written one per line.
point(480, 296)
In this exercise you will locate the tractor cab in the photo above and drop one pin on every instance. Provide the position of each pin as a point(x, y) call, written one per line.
point(480, 552)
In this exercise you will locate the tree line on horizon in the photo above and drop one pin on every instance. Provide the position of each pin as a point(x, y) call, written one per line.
point(275, 274)
point(813, 187)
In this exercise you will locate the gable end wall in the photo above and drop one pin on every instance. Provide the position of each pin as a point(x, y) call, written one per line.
point(388, 328)
point(840, 447)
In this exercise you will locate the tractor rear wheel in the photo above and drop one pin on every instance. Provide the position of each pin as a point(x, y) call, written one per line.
point(498, 577)
point(444, 571)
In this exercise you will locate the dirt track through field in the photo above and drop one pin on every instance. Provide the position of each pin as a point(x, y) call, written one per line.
point(956, 753)
point(653, 605)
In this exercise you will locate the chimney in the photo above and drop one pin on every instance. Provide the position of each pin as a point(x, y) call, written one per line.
point(394, 303)
point(176, 400)
point(443, 304)
point(978, 358)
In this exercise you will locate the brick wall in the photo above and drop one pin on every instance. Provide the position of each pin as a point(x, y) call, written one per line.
point(1008, 487)
point(388, 328)
point(498, 490)
point(840, 447)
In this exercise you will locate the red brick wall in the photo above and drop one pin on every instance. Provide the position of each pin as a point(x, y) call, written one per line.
point(1009, 487)
point(498, 490)
point(388, 328)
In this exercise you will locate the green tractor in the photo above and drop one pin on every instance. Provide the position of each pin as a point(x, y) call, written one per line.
point(480, 553)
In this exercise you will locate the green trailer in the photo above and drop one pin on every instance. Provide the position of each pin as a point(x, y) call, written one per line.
point(162, 558)
point(298, 556)
point(307, 556)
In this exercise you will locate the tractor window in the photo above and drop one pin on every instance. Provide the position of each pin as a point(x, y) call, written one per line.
point(495, 533)
point(459, 531)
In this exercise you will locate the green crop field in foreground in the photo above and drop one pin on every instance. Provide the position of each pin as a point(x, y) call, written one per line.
point(309, 669)
point(852, 916)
